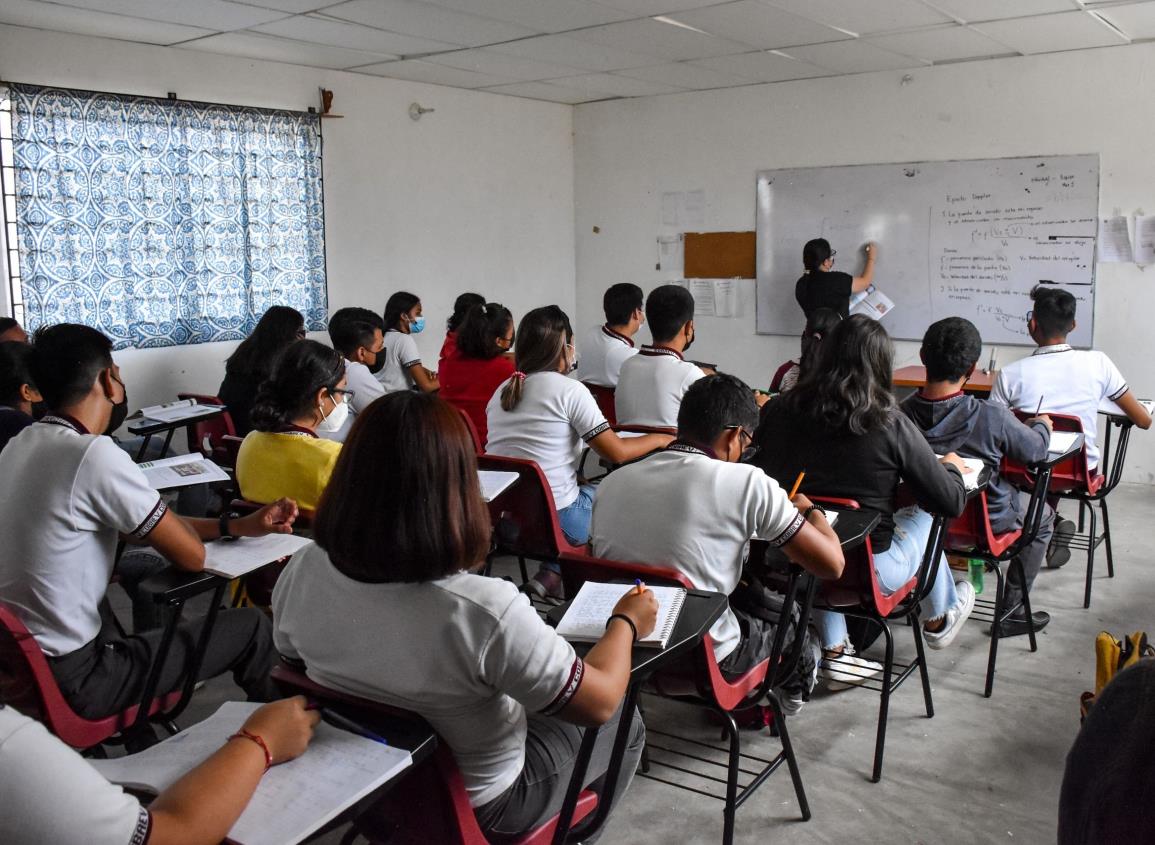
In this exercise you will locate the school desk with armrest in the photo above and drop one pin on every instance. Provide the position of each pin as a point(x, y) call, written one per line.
point(205, 435)
point(149, 428)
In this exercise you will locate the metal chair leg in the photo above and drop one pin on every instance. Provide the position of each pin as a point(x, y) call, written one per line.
point(1090, 558)
point(1000, 598)
point(1107, 538)
point(731, 808)
point(923, 670)
point(791, 760)
point(884, 705)
point(524, 572)
point(1027, 610)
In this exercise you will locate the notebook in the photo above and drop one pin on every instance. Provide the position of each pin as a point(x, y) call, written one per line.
point(181, 471)
point(181, 409)
point(974, 468)
point(585, 619)
point(494, 482)
point(293, 799)
point(1062, 441)
point(234, 558)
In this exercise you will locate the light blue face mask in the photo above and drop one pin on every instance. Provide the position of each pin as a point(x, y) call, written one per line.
point(417, 326)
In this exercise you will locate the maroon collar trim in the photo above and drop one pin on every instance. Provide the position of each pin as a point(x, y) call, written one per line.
point(628, 341)
point(297, 430)
point(648, 349)
point(688, 447)
point(65, 421)
point(926, 398)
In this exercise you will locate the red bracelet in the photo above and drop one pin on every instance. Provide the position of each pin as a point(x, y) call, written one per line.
point(243, 734)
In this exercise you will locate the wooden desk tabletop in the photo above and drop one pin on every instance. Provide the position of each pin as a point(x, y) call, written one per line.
point(915, 376)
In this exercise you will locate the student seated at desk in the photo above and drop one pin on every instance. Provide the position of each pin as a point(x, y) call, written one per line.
point(841, 426)
point(461, 307)
point(480, 362)
point(1057, 379)
point(52, 794)
point(652, 382)
point(255, 359)
point(284, 456)
point(68, 495)
point(609, 345)
point(386, 606)
point(403, 370)
point(541, 415)
point(359, 335)
point(819, 324)
point(695, 508)
point(11, 331)
point(17, 392)
point(956, 422)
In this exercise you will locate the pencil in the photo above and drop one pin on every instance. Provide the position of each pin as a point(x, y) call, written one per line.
point(797, 484)
point(1040, 407)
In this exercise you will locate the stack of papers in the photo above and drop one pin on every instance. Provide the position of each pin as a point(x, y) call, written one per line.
point(182, 409)
point(181, 471)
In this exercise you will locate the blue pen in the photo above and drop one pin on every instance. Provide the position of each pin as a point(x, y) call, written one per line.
point(638, 585)
point(347, 724)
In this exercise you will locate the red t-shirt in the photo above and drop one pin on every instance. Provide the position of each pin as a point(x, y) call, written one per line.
point(448, 348)
point(469, 384)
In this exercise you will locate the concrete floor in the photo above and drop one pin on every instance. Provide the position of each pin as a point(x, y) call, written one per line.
point(982, 770)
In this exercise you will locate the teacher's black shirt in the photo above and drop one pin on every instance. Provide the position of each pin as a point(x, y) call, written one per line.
point(818, 289)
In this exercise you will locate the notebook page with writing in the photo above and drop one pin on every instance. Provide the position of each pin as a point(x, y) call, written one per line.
point(585, 619)
point(293, 799)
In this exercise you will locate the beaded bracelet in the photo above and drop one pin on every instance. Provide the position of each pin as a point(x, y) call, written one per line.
point(243, 734)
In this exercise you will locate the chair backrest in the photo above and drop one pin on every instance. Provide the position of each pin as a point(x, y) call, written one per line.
point(1068, 475)
point(604, 396)
point(972, 530)
point(524, 517)
point(28, 685)
point(474, 434)
point(205, 436)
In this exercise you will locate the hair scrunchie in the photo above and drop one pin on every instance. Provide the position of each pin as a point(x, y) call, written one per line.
point(518, 374)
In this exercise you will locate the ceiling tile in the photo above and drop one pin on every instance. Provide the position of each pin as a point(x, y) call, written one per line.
point(87, 22)
point(546, 91)
point(416, 70)
point(270, 48)
point(660, 39)
point(499, 64)
point(763, 67)
point(759, 25)
point(564, 50)
point(428, 21)
point(1052, 33)
point(649, 8)
point(991, 10)
point(865, 17)
point(321, 30)
point(542, 15)
point(853, 57)
point(295, 6)
point(688, 75)
point(942, 44)
point(210, 14)
point(1137, 20)
point(611, 85)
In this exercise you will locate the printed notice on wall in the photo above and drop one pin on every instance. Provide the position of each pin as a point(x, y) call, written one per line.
point(1145, 239)
point(712, 297)
point(671, 253)
point(1114, 241)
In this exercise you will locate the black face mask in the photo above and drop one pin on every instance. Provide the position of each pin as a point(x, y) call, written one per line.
point(378, 363)
point(689, 343)
point(39, 409)
point(119, 410)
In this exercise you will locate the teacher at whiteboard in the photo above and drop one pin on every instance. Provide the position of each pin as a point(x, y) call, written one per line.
point(823, 287)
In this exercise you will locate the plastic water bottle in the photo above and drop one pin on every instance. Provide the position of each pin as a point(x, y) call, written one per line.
point(977, 568)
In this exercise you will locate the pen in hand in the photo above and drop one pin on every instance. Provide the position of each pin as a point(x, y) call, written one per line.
point(797, 484)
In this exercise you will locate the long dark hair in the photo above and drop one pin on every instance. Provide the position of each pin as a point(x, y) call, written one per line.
point(819, 325)
point(541, 339)
point(848, 390)
point(404, 503)
point(302, 370)
point(479, 332)
point(461, 307)
point(399, 303)
point(257, 355)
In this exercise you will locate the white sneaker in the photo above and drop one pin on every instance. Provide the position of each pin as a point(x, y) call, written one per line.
point(956, 617)
point(848, 670)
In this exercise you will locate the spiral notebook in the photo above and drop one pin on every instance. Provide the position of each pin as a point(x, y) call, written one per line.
point(585, 619)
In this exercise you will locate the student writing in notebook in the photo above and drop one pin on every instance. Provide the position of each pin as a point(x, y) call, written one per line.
point(254, 360)
point(1058, 379)
point(480, 363)
point(53, 795)
point(69, 495)
point(692, 506)
point(608, 346)
point(842, 426)
point(541, 415)
point(18, 393)
point(386, 605)
point(403, 369)
point(956, 422)
point(359, 335)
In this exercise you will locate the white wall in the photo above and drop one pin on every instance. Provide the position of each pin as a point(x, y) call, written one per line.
point(476, 196)
point(627, 152)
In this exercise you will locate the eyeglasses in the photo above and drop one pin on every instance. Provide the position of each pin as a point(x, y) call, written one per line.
point(1030, 315)
point(348, 394)
point(750, 449)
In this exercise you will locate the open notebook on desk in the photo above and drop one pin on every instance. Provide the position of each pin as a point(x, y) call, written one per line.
point(293, 799)
point(181, 409)
point(234, 558)
point(585, 619)
point(1109, 407)
point(1062, 441)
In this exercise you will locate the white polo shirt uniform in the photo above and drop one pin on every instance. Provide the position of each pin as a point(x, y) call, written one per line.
point(603, 354)
point(51, 794)
point(365, 389)
point(67, 496)
point(1069, 381)
point(683, 508)
point(555, 417)
point(400, 353)
point(468, 653)
point(651, 387)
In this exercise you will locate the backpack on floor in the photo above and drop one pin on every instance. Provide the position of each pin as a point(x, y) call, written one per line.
point(1111, 657)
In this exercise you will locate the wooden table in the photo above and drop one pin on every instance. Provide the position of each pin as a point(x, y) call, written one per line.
point(914, 376)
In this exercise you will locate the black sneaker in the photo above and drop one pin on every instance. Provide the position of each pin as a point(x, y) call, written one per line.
point(1016, 624)
point(1059, 551)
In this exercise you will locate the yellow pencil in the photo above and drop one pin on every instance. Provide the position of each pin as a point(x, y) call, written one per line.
point(797, 484)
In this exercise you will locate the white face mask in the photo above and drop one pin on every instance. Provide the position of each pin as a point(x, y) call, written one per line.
point(332, 423)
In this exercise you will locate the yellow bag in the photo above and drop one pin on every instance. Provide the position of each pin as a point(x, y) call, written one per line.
point(1111, 657)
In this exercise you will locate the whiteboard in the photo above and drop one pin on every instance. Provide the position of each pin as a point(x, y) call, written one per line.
point(955, 238)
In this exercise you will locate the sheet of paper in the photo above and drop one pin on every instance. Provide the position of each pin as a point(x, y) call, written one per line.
point(1061, 441)
point(293, 799)
point(974, 468)
point(1145, 239)
point(494, 482)
point(694, 210)
point(671, 253)
point(672, 208)
point(234, 558)
point(178, 412)
point(1114, 241)
point(181, 471)
point(703, 292)
point(872, 302)
point(725, 298)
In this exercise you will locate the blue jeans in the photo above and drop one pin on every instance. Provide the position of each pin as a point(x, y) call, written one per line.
point(895, 567)
point(575, 517)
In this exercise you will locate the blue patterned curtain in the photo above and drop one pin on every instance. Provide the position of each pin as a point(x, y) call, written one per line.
point(164, 222)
